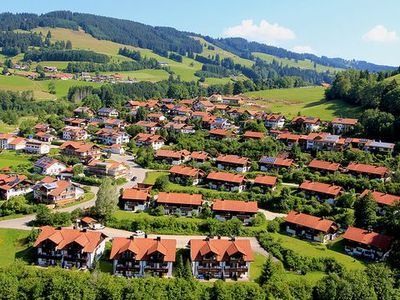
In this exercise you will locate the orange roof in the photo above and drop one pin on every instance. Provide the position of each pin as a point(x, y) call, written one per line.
point(221, 132)
point(276, 161)
point(88, 220)
point(232, 159)
point(222, 248)
point(61, 186)
point(179, 198)
point(228, 177)
point(147, 124)
point(200, 155)
point(63, 237)
point(323, 165)
point(17, 140)
point(381, 198)
point(366, 237)
point(9, 181)
point(186, 171)
point(322, 188)
point(78, 146)
point(309, 221)
point(147, 137)
point(306, 120)
point(368, 169)
point(253, 135)
point(142, 248)
point(172, 153)
point(266, 180)
point(135, 194)
point(274, 117)
point(235, 206)
point(345, 121)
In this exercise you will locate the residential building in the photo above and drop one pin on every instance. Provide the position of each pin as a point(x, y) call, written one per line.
point(307, 123)
point(108, 112)
point(83, 111)
point(44, 137)
point(342, 125)
point(5, 140)
point(367, 244)
point(233, 163)
point(57, 192)
point(111, 136)
point(140, 257)
point(373, 172)
point(136, 199)
point(37, 147)
point(220, 134)
point(374, 146)
point(310, 227)
point(156, 117)
point(185, 175)
point(242, 209)
point(85, 152)
point(76, 122)
point(42, 127)
point(253, 135)
point(14, 185)
point(149, 127)
point(72, 133)
point(172, 157)
point(382, 199)
point(154, 141)
point(268, 163)
point(226, 181)
point(199, 157)
point(274, 121)
point(18, 143)
point(109, 168)
point(265, 183)
point(322, 191)
point(220, 258)
point(68, 248)
point(180, 203)
point(48, 166)
point(323, 166)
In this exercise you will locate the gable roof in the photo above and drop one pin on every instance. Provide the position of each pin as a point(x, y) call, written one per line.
point(367, 169)
point(309, 221)
point(179, 198)
point(323, 165)
point(266, 180)
point(381, 198)
point(135, 194)
point(185, 171)
point(322, 188)
point(232, 159)
point(172, 154)
point(235, 206)
point(369, 238)
point(227, 177)
point(253, 135)
point(276, 161)
point(200, 155)
point(345, 121)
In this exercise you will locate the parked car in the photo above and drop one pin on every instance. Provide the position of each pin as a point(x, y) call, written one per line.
point(96, 226)
point(134, 178)
point(139, 233)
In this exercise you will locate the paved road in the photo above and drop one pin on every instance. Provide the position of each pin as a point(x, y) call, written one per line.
point(269, 215)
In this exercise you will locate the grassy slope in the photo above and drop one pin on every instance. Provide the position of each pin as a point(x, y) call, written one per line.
point(10, 158)
point(306, 101)
point(303, 64)
point(12, 245)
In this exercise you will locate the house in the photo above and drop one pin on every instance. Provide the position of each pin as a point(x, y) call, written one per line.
point(323, 191)
point(108, 112)
point(69, 248)
point(18, 143)
point(140, 257)
point(5, 140)
point(180, 203)
point(203, 105)
point(374, 146)
point(310, 227)
point(342, 125)
point(185, 175)
point(37, 147)
point(253, 135)
point(265, 182)
point(290, 139)
point(85, 152)
point(77, 122)
point(83, 111)
point(220, 258)
point(323, 166)
point(14, 185)
point(149, 127)
point(308, 123)
point(58, 192)
point(48, 166)
point(44, 137)
point(219, 134)
point(72, 133)
point(111, 136)
point(135, 199)
point(274, 121)
point(219, 123)
point(109, 168)
point(366, 243)
point(116, 149)
point(86, 222)
point(42, 127)
point(179, 128)
point(226, 181)
point(113, 123)
point(233, 163)
point(242, 209)
point(382, 199)
point(267, 163)
point(227, 100)
point(373, 172)
point(156, 117)
point(154, 141)
point(199, 157)
point(172, 157)
point(324, 141)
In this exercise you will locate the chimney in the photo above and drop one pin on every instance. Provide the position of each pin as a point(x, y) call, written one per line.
point(84, 230)
point(158, 238)
point(233, 238)
point(132, 237)
point(219, 237)
point(145, 235)
point(59, 228)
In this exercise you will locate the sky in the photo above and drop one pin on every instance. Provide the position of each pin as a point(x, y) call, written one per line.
point(352, 29)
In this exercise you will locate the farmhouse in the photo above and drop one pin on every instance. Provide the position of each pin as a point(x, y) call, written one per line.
point(233, 163)
point(226, 181)
point(68, 248)
point(185, 175)
point(366, 243)
point(322, 191)
point(14, 185)
point(136, 199)
point(180, 203)
point(310, 227)
point(227, 209)
point(154, 141)
point(140, 257)
point(220, 258)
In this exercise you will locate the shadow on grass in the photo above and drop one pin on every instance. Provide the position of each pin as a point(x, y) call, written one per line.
point(27, 254)
point(339, 247)
point(338, 107)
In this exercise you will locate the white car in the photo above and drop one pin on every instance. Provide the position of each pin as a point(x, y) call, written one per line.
point(139, 233)
point(97, 226)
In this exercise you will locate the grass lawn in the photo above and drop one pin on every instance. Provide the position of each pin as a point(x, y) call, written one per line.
point(5, 128)
point(307, 101)
point(11, 158)
point(13, 245)
point(318, 250)
point(19, 84)
point(151, 177)
point(256, 266)
point(143, 75)
point(87, 197)
point(310, 277)
point(62, 86)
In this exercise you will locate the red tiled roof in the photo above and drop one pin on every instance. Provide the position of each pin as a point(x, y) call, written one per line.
point(172, 153)
point(180, 198)
point(381, 198)
point(134, 194)
point(186, 171)
point(227, 177)
point(345, 121)
point(266, 180)
point(366, 237)
point(274, 117)
point(306, 120)
point(253, 135)
point(235, 206)
point(309, 221)
point(221, 132)
point(147, 137)
point(88, 220)
point(200, 155)
point(368, 169)
point(232, 159)
point(143, 248)
point(323, 165)
point(322, 188)
point(222, 248)
point(277, 161)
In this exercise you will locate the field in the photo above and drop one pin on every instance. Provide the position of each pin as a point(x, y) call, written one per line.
point(302, 64)
point(308, 101)
point(10, 158)
point(12, 245)
point(318, 250)
point(256, 266)
point(143, 75)
point(151, 177)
